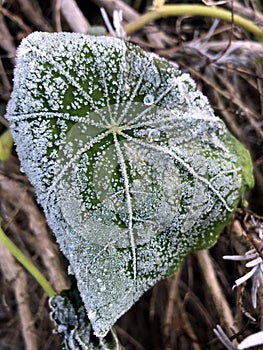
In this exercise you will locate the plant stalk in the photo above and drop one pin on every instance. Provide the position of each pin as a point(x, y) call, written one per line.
point(195, 10)
point(6, 145)
point(28, 265)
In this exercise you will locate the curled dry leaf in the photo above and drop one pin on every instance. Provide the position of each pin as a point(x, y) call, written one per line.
point(129, 162)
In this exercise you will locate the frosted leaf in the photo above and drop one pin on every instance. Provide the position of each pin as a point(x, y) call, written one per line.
point(72, 324)
point(129, 162)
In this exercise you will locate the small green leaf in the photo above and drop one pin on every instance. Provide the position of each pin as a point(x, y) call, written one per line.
point(71, 321)
point(129, 162)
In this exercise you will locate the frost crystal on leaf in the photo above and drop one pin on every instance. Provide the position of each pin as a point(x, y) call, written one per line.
point(129, 162)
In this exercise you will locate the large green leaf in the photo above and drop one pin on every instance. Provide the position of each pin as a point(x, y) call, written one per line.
point(130, 164)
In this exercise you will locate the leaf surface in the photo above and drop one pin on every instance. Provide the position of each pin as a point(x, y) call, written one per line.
point(129, 162)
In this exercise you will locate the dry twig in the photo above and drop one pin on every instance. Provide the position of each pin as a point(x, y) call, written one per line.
point(175, 302)
point(74, 17)
point(209, 275)
point(16, 19)
point(247, 12)
point(5, 86)
point(157, 38)
point(57, 15)
point(6, 39)
point(40, 242)
point(32, 11)
point(239, 53)
point(16, 277)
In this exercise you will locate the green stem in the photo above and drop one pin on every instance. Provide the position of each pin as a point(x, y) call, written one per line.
point(16, 252)
point(6, 144)
point(195, 10)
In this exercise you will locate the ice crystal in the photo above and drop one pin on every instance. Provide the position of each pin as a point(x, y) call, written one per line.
point(129, 162)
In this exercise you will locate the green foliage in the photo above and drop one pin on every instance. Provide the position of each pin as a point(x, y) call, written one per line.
point(70, 318)
point(129, 162)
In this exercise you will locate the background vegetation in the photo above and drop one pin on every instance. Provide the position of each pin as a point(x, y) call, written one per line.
point(180, 312)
